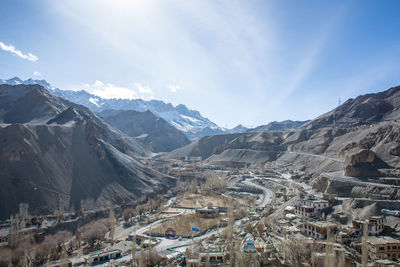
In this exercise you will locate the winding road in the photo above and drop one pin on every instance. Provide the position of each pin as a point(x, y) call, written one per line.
point(268, 194)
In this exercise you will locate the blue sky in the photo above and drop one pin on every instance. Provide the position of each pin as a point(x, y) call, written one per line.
point(247, 62)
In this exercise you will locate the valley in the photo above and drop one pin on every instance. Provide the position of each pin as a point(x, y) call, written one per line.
point(125, 188)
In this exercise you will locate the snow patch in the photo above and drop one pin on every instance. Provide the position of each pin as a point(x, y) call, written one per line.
point(94, 101)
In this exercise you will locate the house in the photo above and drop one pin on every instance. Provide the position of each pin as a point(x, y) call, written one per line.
point(170, 233)
point(212, 257)
point(311, 208)
point(317, 229)
point(375, 225)
point(383, 247)
point(208, 212)
point(193, 158)
point(101, 257)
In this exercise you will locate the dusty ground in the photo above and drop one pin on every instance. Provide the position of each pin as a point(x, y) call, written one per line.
point(200, 201)
point(183, 224)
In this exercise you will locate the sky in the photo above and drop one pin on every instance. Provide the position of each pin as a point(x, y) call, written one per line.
point(237, 62)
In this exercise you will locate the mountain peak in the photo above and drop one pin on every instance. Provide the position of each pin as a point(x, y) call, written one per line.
point(191, 122)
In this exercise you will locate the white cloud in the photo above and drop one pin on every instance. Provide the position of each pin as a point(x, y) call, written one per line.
point(36, 73)
point(12, 49)
point(144, 89)
point(109, 90)
point(173, 88)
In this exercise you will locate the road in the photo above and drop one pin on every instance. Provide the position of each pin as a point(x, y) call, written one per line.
point(338, 176)
point(268, 194)
point(317, 156)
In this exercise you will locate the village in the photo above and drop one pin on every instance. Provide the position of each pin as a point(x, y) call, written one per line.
point(224, 215)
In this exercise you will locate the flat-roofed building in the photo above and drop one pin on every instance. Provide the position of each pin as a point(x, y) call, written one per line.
point(208, 212)
point(317, 229)
point(375, 225)
point(101, 257)
point(211, 258)
point(311, 208)
point(383, 247)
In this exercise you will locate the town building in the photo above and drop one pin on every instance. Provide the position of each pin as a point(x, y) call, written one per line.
point(206, 257)
point(383, 247)
point(311, 208)
point(170, 233)
point(375, 225)
point(101, 257)
point(208, 212)
point(317, 229)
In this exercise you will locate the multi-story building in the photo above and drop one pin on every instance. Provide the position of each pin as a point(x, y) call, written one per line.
point(311, 208)
point(375, 225)
point(317, 229)
point(383, 247)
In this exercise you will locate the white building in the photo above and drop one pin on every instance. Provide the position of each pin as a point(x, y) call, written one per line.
point(311, 208)
point(317, 229)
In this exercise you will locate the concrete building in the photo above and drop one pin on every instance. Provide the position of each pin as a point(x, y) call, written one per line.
point(311, 208)
point(383, 247)
point(193, 158)
point(101, 257)
point(208, 212)
point(211, 258)
point(375, 225)
point(317, 229)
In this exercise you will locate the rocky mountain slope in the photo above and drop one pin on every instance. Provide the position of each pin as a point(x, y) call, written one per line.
point(55, 150)
point(154, 133)
point(363, 110)
point(190, 122)
point(319, 145)
point(279, 126)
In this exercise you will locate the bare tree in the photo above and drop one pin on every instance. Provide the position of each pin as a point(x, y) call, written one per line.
point(5, 256)
point(260, 228)
point(193, 187)
point(153, 258)
point(128, 214)
point(94, 232)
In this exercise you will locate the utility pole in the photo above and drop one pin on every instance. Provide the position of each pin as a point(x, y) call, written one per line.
point(112, 222)
point(364, 259)
point(334, 114)
point(134, 248)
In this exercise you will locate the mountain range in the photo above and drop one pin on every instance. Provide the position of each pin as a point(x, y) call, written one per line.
point(190, 122)
point(54, 151)
point(369, 122)
point(154, 133)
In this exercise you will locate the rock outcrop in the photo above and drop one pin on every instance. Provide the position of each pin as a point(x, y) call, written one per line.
point(361, 163)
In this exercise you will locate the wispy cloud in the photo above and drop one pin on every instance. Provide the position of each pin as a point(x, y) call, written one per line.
point(36, 73)
point(12, 49)
point(173, 88)
point(310, 59)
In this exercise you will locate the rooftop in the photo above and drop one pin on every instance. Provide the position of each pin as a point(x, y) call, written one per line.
point(382, 240)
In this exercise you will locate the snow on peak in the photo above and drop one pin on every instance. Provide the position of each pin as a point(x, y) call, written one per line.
point(191, 122)
point(94, 101)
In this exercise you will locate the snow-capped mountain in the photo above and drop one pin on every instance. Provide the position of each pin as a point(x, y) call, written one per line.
point(186, 120)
